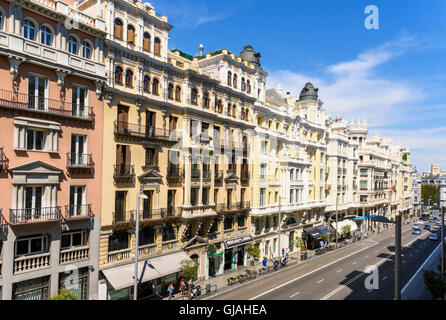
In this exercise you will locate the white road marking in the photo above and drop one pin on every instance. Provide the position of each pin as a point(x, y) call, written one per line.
point(385, 278)
point(355, 262)
point(410, 256)
point(341, 287)
point(316, 270)
point(366, 257)
point(339, 271)
point(294, 294)
point(320, 281)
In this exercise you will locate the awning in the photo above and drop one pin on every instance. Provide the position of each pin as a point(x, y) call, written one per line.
point(312, 232)
point(341, 224)
point(381, 219)
point(237, 241)
point(122, 276)
point(323, 230)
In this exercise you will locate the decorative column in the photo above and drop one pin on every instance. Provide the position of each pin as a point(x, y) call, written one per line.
point(200, 190)
point(213, 173)
point(187, 179)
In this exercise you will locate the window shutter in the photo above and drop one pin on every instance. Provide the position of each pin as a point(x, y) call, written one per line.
point(131, 36)
point(146, 44)
point(118, 32)
point(155, 157)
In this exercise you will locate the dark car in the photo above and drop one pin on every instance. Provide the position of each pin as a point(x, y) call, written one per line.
point(427, 226)
point(434, 237)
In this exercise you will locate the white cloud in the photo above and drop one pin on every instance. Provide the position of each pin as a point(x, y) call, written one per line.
point(355, 90)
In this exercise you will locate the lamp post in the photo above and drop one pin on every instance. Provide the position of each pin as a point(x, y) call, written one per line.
point(135, 289)
point(337, 218)
point(279, 229)
point(398, 257)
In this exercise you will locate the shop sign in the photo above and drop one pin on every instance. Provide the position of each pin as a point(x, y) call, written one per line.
point(237, 241)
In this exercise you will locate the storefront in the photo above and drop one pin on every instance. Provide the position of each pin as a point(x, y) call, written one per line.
point(311, 237)
point(235, 254)
point(155, 274)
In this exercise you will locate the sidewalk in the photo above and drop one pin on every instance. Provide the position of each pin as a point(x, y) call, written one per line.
point(220, 283)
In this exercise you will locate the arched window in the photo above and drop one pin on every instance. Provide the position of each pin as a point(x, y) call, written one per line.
point(73, 46)
point(243, 114)
point(29, 29)
point(146, 84)
point(248, 86)
point(194, 97)
point(220, 106)
point(234, 111)
point(292, 174)
point(243, 84)
point(118, 75)
point(146, 42)
point(129, 78)
point(170, 91)
point(178, 93)
point(131, 34)
point(235, 81)
point(157, 46)
point(118, 29)
point(155, 85)
point(46, 36)
point(206, 100)
point(247, 115)
point(229, 78)
point(86, 49)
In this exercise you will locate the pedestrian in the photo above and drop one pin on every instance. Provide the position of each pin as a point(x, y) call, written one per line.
point(170, 289)
point(287, 254)
point(182, 287)
point(264, 263)
point(283, 252)
point(321, 244)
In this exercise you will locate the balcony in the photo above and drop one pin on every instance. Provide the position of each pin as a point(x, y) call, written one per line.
point(119, 255)
point(74, 255)
point(206, 174)
point(147, 249)
point(3, 160)
point(174, 173)
point(126, 129)
point(122, 217)
point(34, 215)
point(244, 176)
point(124, 171)
point(30, 263)
point(195, 174)
point(76, 212)
point(37, 104)
point(236, 206)
point(213, 235)
point(79, 161)
point(168, 245)
point(218, 178)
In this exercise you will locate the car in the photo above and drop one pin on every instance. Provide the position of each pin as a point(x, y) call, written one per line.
point(416, 226)
point(434, 237)
point(416, 231)
point(427, 226)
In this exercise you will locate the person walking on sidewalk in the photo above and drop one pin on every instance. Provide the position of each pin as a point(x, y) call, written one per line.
point(182, 287)
point(170, 289)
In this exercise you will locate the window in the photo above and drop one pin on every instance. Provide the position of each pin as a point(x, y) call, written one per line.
point(155, 85)
point(86, 49)
point(118, 240)
point(228, 223)
point(170, 91)
point(29, 29)
point(248, 86)
point(2, 20)
point(130, 34)
point(262, 197)
point(157, 48)
point(194, 196)
point(79, 102)
point(118, 29)
point(73, 239)
point(118, 75)
point(241, 221)
point(168, 233)
point(206, 100)
point(78, 197)
point(194, 97)
point(178, 93)
point(37, 91)
point(205, 196)
point(147, 236)
point(35, 140)
point(78, 150)
point(46, 36)
point(146, 84)
point(73, 46)
point(243, 84)
point(263, 171)
point(129, 78)
point(263, 147)
point(235, 81)
point(146, 42)
point(229, 78)
point(31, 245)
point(291, 196)
point(151, 157)
point(220, 106)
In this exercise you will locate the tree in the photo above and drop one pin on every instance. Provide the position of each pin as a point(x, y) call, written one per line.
point(254, 252)
point(346, 231)
point(324, 237)
point(64, 294)
point(189, 269)
point(430, 192)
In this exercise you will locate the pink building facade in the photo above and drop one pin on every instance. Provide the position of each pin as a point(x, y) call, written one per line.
point(51, 114)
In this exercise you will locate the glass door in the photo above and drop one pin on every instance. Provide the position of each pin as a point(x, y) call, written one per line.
point(33, 203)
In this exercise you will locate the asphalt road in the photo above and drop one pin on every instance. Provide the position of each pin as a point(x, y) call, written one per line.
point(340, 274)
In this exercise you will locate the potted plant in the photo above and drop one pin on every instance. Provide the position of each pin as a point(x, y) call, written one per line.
point(254, 252)
point(346, 231)
point(299, 243)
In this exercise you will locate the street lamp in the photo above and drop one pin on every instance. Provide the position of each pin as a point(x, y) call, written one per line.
point(138, 197)
point(337, 200)
point(398, 257)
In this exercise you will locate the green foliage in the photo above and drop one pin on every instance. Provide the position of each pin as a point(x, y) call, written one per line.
point(253, 251)
point(64, 294)
point(189, 268)
point(298, 242)
point(324, 237)
point(346, 230)
point(430, 192)
point(405, 157)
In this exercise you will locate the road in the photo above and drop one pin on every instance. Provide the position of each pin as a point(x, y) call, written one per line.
point(340, 274)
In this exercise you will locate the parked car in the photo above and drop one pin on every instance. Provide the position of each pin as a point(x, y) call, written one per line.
point(416, 226)
point(434, 237)
point(416, 231)
point(427, 226)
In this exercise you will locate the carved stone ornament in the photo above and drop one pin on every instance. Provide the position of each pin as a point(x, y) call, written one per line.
point(61, 78)
point(14, 66)
point(99, 86)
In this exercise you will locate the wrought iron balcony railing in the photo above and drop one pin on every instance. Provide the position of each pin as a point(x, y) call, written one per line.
point(124, 171)
point(40, 104)
point(174, 173)
point(79, 160)
point(123, 216)
point(195, 174)
point(30, 215)
point(233, 206)
point(140, 131)
point(78, 211)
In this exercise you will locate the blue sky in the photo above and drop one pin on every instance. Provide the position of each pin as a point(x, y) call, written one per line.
point(394, 77)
